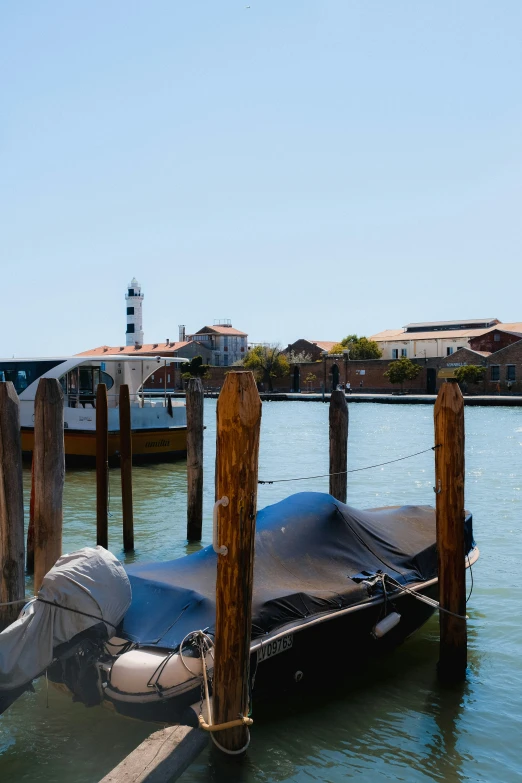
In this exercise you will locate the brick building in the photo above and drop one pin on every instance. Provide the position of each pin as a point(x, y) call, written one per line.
point(494, 340)
point(315, 348)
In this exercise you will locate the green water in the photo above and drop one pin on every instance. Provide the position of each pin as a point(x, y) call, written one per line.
point(392, 722)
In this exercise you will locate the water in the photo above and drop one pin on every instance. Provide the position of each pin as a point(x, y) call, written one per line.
point(393, 722)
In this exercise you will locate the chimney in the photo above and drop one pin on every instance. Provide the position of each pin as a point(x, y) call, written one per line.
point(167, 341)
point(182, 333)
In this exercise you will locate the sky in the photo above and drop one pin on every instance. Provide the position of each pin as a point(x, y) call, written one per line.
point(306, 168)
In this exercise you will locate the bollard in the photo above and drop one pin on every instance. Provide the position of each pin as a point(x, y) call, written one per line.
point(338, 445)
point(237, 441)
point(450, 514)
point(194, 459)
point(12, 586)
point(102, 466)
point(126, 468)
point(49, 475)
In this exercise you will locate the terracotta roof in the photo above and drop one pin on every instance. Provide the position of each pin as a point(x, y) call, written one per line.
point(324, 345)
point(162, 349)
point(513, 327)
point(221, 330)
point(395, 335)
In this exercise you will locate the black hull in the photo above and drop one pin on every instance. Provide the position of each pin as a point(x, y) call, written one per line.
point(338, 645)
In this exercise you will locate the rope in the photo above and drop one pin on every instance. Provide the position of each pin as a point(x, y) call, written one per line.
point(424, 598)
point(354, 470)
point(20, 601)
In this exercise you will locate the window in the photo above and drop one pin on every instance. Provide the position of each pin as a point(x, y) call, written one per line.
point(152, 377)
point(495, 372)
point(216, 360)
point(168, 378)
point(404, 352)
point(510, 373)
point(449, 351)
point(130, 328)
point(496, 338)
point(395, 353)
point(22, 374)
point(130, 310)
point(131, 291)
point(225, 359)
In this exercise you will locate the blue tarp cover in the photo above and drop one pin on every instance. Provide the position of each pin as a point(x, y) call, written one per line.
point(308, 549)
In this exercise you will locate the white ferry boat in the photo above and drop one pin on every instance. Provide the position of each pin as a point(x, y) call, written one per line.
point(159, 426)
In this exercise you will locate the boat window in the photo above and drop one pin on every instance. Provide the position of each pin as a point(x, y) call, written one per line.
point(106, 379)
point(22, 374)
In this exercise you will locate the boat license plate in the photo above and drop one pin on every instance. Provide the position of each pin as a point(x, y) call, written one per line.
point(270, 649)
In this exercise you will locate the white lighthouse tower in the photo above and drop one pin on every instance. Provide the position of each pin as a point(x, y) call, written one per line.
point(134, 299)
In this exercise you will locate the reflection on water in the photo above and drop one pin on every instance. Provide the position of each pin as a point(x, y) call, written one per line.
point(388, 721)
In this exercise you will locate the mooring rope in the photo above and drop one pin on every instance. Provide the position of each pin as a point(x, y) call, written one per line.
point(353, 470)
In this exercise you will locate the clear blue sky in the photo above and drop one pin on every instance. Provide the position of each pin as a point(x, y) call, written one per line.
point(307, 168)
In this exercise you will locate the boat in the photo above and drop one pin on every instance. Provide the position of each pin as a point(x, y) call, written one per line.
point(333, 586)
point(159, 426)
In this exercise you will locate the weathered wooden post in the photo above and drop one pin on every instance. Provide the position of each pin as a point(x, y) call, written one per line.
point(338, 445)
point(49, 475)
point(12, 587)
point(126, 468)
point(449, 488)
point(102, 466)
point(194, 459)
point(238, 425)
point(29, 557)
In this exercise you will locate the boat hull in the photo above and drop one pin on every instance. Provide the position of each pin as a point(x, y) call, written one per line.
point(343, 639)
point(147, 444)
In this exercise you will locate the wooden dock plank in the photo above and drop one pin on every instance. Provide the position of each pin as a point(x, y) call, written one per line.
point(162, 757)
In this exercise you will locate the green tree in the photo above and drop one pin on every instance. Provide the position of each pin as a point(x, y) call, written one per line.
point(196, 369)
point(401, 370)
point(470, 373)
point(360, 347)
point(310, 379)
point(337, 348)
point(267, 362)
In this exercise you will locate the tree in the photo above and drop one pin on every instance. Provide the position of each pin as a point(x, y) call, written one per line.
point(470, 373)
point(267, 362)
point(298, 358)
point(401, 370)
point(337, 348)
point(310, 379)
point(196, 369)
point(360, 347)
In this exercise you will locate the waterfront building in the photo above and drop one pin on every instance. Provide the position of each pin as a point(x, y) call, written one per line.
point(315, 348)
point(134, 299)
point(436, 339)
point(228, 345)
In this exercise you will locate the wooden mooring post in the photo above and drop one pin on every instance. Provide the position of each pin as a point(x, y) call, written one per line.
point(338, 419)
point(238, 426)
point(126, 468)
point(49, 476)
point(29, 557)
point(12, 586)
point(102, 467)
point(194, 459)
point(450, 514)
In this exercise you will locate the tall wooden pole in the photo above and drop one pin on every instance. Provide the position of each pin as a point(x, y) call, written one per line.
point(29, 558)
point(194, 459)
point(49, 476)
point(126, 468)
point(102, 466)
point(238, 425)
point(338, 445)
point(12, 587)
point(449, 488)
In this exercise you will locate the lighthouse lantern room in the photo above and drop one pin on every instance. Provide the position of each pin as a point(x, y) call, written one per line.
point(134, 298)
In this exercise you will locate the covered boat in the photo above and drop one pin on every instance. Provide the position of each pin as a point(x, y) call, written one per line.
point(328, 580)
point(159, 425)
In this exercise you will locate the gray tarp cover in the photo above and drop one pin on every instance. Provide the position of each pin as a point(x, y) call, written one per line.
point(90, 580)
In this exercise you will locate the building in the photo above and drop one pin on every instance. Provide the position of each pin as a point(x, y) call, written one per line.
point(134, 299)
point(494, 340)
point(436, 338)
point(314, 348)
point(227, 345)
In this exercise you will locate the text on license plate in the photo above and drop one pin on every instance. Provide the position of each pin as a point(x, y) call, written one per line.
point(270, 649)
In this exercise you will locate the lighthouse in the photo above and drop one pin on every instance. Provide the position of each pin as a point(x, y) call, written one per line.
point(134, 299)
